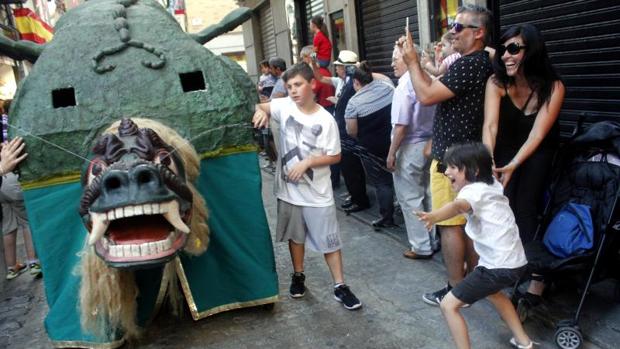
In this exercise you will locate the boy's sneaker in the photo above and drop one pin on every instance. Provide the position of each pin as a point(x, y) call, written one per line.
point(35, 269)
point(298, 289)
point(14, 272)
point(343, 294)
point(434, 298)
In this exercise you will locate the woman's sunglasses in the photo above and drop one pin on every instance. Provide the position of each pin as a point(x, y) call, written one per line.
point(458, 27)
point(512, 48)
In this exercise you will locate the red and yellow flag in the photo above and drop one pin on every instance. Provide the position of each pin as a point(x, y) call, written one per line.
point(31, 27)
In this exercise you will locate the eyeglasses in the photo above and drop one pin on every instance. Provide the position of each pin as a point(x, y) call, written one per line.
point(513, 48)
point(458, 27)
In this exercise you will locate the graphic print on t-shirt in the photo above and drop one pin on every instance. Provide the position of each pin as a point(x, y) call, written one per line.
point(300, 141)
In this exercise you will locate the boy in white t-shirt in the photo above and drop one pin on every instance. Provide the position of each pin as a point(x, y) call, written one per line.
point(492, 228)
point(307, 141)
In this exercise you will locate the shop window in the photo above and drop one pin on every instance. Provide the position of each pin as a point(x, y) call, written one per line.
point(338, 32)
point(193, 81)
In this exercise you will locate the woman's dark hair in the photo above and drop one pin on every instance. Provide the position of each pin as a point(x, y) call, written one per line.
point(318, 21)
point(537, 68)
point(474, 158)
point(363, 73)
point(264, 63)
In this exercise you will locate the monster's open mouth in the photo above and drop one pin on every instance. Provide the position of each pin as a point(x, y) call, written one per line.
point(138, 233)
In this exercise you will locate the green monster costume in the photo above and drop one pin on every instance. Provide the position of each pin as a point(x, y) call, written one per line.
point(113, 59)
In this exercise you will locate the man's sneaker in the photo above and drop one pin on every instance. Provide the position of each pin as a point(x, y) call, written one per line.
point(434, 298)
point(343, 294)
point(35, 269)
point(298, 289)
point(14, 272)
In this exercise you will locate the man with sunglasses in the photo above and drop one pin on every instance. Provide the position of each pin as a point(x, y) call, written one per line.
point(459, 117)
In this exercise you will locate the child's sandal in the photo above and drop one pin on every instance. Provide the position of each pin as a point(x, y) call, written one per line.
point(515, 344)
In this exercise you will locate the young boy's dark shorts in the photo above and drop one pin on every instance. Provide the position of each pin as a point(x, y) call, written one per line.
point(483, 282)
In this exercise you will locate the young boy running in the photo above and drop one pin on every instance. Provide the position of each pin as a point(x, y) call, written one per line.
point(307, 142)
point(491, 225)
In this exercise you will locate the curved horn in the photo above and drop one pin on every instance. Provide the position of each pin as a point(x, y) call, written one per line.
point(228, 23)
point(127, 128)
point(21, 49)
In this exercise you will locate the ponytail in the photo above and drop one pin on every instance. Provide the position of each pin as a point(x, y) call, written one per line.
point(318, 21)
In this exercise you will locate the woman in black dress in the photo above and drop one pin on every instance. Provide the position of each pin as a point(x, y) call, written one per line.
point(522, 102)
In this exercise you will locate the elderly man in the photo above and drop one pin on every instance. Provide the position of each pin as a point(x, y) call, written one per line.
point(459, 118)
point(412, 125)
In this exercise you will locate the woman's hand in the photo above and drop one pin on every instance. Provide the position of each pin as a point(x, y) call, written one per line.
point(11, 155)
point(504, 174)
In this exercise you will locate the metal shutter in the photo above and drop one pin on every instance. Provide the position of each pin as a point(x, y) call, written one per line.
point(267, 33)
point(313, 8)
point(584, 45)
point(381, 22)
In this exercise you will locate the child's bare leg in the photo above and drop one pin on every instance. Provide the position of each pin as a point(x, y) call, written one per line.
point(334, 263)
point(10, 243)
point(297, 255)
point(30, 252)
point(450, 307)
point(508, 313)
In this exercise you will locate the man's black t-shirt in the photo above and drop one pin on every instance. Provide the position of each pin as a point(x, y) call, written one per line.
point(459, 119)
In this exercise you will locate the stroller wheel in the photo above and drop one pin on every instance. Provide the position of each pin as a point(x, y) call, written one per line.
point(523, 309)
point(568, 337)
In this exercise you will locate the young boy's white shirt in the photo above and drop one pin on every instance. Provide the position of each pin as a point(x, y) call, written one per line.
point(491, 225)
point(300, 136)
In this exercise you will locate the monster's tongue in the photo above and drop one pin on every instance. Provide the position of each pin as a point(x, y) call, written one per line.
point(138, 230)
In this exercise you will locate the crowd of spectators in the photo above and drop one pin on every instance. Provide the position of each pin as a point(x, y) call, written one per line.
point(461, 96)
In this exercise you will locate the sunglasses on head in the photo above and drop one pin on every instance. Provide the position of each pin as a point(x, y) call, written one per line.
point(458, 27)
point(512, 48)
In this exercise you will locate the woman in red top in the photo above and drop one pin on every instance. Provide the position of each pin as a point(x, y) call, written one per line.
point(322, 45)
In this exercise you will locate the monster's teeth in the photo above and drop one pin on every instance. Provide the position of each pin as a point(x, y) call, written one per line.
point(119, 213)
point(147, 208)
point(100, 226)
point(174, 218)
point(137, 210)
point(155, 208)
point(128, 211)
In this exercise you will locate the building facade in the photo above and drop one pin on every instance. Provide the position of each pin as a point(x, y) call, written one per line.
point(203, 13)
point(580, 37)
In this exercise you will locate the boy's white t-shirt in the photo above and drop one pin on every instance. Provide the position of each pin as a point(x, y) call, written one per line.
point(300, 136)
point(492, 227)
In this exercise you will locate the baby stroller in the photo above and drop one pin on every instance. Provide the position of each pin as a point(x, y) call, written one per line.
point(590, 175)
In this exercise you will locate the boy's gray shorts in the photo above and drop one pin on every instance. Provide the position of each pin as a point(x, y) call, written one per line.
point(13, 208)
point(316, 227)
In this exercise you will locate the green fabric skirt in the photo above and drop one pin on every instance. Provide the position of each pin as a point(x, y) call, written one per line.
point(238, 269)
